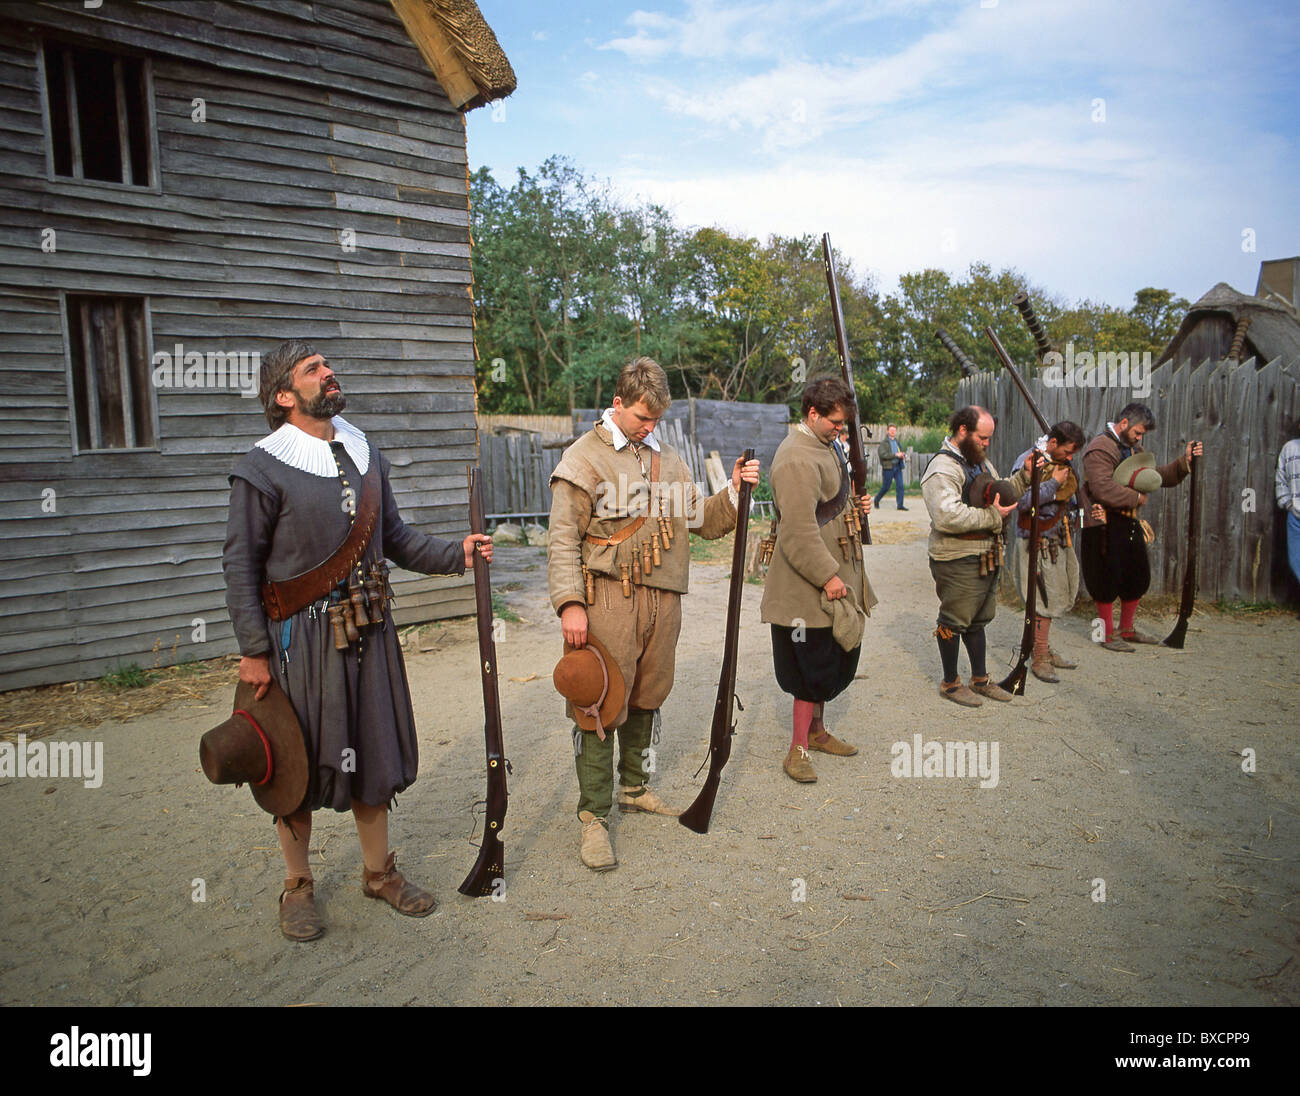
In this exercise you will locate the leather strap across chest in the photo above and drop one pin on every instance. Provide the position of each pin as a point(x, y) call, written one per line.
point(629, 530)
point(828, 511)
point(282, 599)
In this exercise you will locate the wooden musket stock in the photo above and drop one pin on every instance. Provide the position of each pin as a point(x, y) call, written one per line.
point(1178, 636)
point(696, 817)
point(1015, 681)
point(486, 876)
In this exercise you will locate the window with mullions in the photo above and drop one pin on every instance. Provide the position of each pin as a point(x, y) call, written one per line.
point(112, 398)
point(98, 115)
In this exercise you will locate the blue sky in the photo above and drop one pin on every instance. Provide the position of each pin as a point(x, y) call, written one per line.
point(1096, 145)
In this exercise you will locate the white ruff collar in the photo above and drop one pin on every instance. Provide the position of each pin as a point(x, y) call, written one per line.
point(621, 439)
point(300, 450)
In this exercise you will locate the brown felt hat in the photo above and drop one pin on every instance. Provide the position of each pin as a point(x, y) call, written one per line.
point(590, 680)
point(1138, 472)
point(260, 745)
point(981, 490)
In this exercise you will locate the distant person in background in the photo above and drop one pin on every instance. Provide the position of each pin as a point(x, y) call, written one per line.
point(891, 463)
point(1288, 498)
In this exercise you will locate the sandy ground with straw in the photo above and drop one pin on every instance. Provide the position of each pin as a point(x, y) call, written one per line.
point(1123, 857)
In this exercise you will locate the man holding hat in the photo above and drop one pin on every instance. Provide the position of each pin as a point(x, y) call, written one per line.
point(312, 520)
point(1119, 475)
point(816, 596)
point(618, 562)
point(967, 505)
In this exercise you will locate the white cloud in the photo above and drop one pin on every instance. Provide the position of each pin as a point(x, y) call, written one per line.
point(1083, 210)
point(708, 30)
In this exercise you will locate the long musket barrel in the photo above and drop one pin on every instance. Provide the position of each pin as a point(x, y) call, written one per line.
point(968, 368)
point(1178, 637)
point(696, 817)
point(486, 876)
point(1021, 301)
point(1005, 358)
point(1015, 681)
point(857, 456)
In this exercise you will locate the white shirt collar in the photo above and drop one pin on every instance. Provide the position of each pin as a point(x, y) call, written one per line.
point(620, 439)
point(300, 450)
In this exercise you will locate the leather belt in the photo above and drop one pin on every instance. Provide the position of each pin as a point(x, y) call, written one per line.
point(618, 538)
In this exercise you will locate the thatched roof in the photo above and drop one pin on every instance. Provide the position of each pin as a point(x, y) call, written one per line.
point(456, 42)
point(1274, 331)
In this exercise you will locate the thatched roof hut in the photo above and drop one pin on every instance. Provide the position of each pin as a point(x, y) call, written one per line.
point(1270, 329)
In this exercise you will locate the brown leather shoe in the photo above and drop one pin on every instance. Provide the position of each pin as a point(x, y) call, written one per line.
point(828, 743)
point(299, 920)
point(798, 767)
point(597, 852)
point(1117, 644)
point(989, 688)
point(1059, 662)
point(1139, 637)
point(392, 887)
point(959, 694)
point(644, 800)
point(1041, 668)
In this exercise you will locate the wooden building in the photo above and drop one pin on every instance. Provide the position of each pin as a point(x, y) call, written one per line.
point(1268, 328)
point(185, 185)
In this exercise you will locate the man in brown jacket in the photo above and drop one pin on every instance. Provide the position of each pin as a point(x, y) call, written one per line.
point(618, 563)
point(817, 573)
point(964, 548)
point(1113, 548)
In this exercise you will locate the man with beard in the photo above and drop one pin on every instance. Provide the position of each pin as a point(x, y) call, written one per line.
point(965, 552)
point(330, 645)
point(1114, 542)
point(1058, 567)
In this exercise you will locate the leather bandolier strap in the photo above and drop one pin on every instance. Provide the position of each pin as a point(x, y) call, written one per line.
point(825, 513)
point(282, 599)
point(829, 510)
point(631, 527)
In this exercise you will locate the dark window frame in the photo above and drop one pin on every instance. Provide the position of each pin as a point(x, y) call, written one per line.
point(150, 120)
point(93, 419)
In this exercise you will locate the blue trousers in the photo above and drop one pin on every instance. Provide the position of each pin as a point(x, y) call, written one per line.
point(896, 474)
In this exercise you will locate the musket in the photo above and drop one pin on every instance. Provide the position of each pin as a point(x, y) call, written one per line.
point(1020, 381)
point(1177, 637)
point(968, 368)
point(1015, 681)
point(1026, 310)
point(486, 876)
point(696, 817)
point(857, 457)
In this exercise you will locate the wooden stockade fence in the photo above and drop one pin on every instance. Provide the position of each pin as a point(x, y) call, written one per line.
point(518, 453)
point(1244, 415)
point(723, 425)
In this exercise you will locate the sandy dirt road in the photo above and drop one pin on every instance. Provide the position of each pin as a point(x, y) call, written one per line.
point(864, 888)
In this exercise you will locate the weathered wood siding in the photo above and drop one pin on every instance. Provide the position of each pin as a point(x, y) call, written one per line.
point(1241, 413)
point(320, 118)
